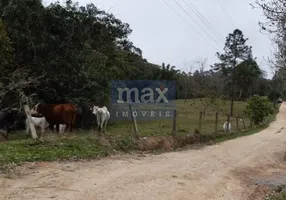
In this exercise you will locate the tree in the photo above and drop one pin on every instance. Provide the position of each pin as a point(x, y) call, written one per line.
point(185, 80)
point(169, 72)
point(235, 49)
point(13, 82)
point(67, 53)
point(6, 49)
point(246, 73)
point(275, 13)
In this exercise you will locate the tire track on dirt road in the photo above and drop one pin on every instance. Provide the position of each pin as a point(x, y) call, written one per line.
point(223, 171)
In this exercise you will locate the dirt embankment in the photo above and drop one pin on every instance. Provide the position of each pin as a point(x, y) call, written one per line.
point(229, 170)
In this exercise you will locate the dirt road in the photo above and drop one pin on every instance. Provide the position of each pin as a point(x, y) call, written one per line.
point(222, 171)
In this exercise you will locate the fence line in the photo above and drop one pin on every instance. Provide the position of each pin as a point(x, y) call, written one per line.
point(234, 122)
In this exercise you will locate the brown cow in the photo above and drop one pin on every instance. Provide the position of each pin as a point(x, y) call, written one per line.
point(57, 114)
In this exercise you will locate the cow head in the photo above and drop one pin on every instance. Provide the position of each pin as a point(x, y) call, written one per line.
point(94, 109)
point(91, 108)
point(35, 110)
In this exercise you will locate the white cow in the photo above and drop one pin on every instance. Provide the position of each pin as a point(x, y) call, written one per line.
point(62, 128)
point(102, 115)
point(40, 122)
point(225, 126)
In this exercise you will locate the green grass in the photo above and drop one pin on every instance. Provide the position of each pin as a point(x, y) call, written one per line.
point(281, 196)
point(81, 145)
point(246, 132)
point(187, 120)
point(60, 148)
point(279, 193)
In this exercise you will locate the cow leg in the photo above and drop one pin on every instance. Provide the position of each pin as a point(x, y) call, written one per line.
point(42, 129)
point(62, 128)
point(58, 128)
point(73, 116)
point(105, 126)
point(51, 126)
point(102, 123)
point(70, 127)
point(98, 122)
point(100, 127)
point(69, 119)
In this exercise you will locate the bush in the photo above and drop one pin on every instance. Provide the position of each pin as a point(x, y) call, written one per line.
point(258, 108)
point(274, 95)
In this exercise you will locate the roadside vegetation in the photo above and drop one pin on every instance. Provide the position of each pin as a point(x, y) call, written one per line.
point(88, 145)
point(278, 193)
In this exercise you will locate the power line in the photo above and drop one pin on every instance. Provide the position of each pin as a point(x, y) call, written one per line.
point(190, 25)
point(225, 12)
point(203, 19)
point(195, 22)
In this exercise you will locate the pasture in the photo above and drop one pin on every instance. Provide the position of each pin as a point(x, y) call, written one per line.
point(187, 120)
point(87, 143)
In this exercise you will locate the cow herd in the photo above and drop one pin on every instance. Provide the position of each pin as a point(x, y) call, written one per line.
point(57, 117)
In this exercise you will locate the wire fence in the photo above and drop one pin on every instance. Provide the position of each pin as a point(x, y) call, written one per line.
point(187, 119)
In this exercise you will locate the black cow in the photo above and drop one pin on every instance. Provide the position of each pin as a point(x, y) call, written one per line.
point(8, 119)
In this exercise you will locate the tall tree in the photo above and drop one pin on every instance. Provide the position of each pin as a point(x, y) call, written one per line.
point(235, 50)
point(5, 49)
point(275, 24)
point(246, 73)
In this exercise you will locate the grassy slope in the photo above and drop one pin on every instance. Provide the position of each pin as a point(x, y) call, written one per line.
point(84, 145)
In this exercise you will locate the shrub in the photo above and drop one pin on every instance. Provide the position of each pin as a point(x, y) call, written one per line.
point(274, 95)
point(258, 108)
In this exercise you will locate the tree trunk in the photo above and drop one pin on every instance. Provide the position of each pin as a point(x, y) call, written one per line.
point(31, 125)
point(240, 94)
point(185, 90)
point(232, 87)
point(275, 87)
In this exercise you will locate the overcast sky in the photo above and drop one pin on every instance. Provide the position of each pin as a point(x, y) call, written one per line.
point(199, 31)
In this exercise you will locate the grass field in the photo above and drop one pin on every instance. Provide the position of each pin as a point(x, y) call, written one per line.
point(187, 120)
point(83, 144)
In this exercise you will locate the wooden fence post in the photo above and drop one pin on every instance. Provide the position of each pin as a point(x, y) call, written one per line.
point(134, 122)
point(243, 123)
point(31, 125)
point(237, 125)
point(174, 128)
point(216, 122)
point(227, 123)
point(200, 121)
